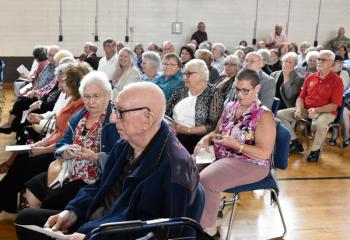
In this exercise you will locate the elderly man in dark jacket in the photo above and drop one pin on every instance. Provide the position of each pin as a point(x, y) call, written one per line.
point(148, 174)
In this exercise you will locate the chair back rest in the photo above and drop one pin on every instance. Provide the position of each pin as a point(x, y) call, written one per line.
point(280, 156)
point(196, 208)
point(275, 105)
point(340, 109)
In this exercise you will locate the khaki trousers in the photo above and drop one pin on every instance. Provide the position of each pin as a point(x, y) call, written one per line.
point(320, 123)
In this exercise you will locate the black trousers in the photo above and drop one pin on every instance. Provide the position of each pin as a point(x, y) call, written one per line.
point(189, 141)
point(33, 216)
point(23, 169)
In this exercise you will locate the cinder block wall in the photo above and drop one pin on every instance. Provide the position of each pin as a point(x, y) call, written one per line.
point(27, 23)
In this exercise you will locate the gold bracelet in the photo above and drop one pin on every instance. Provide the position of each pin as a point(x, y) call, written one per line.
point(240, 148)
point(188, 131)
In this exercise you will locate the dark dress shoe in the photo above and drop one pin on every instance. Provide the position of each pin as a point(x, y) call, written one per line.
point(216, 236)
point(332, 142)
point(295, 147)
point(346, 143)
point(314, 156)
point(6, 130)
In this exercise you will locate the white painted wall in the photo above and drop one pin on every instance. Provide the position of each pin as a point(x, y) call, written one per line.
point(26, 23)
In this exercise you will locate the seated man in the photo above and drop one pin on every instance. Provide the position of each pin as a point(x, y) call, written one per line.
point(318, 100)
point(148, 174)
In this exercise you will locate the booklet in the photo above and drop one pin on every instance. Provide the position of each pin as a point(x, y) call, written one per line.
point(204, 156)
point(25, 88)
point(22, 69)
point(15, 148)
point(47, 231)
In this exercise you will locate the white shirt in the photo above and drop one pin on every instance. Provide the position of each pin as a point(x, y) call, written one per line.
point(108, 66)
point(184, 111)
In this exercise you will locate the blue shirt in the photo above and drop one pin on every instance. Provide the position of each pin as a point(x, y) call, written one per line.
point(170, 84)
point(144, 78)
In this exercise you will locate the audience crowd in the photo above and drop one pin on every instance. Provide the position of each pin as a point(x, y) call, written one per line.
point(111, 139)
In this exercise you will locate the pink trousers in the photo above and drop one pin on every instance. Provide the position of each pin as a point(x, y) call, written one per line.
point(224, 174)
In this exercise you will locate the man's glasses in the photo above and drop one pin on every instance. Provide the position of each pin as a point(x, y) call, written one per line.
point(188, 74)
point(323, 59)
point(119, 112)
point(244, 91)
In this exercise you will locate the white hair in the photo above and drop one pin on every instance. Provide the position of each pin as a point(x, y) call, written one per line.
point(328, 52)
point(291, 54)
point(311, 54)
point(96, 77)
point(201, 67)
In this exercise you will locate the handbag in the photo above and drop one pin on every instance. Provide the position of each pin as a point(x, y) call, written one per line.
point(47, 128)
point(58, 173)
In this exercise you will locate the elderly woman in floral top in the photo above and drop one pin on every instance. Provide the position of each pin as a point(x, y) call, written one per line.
point(243, 142)
point(195, 107)
point(84, 147)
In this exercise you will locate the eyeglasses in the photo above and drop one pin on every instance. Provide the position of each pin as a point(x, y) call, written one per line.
point(250, 61)
point(230, 65)
point(323, 59)
point(119, 112)
point(94, 97)
point(188, 74)
point(169, 65)
point(244, 91)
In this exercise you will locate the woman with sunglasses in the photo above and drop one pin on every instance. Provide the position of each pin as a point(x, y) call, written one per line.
point(243, 142)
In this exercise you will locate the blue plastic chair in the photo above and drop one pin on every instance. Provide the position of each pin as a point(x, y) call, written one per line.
point(275, 105)
point(280, 160)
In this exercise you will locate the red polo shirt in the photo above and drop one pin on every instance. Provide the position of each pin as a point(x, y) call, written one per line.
point(318, 92)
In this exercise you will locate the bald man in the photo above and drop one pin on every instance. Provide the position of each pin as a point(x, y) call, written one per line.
point(148, 174)
point(341, 39)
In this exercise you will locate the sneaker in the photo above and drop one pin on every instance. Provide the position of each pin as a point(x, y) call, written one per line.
point(314, 156)
point(332, 142)
point(296, 146)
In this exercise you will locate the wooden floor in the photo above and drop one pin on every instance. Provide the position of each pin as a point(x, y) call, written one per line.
point(314, 199)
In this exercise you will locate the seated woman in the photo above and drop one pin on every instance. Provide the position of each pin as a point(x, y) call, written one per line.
point(195, 107)
point(46, 120)
point(208, 58)
point(172, 77)
point(186, 54)
point(275, 62)
point(84, 147)
point(27, 165)
point(126, 71)
point(22, 102)
point(224, 82)
point(311, 64)
point(243, 141)
point(288, 81)
point(304, 46)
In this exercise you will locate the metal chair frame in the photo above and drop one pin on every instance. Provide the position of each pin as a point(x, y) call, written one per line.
point(280, 160)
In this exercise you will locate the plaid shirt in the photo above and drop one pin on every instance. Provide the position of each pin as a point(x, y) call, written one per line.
point(45, 76)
